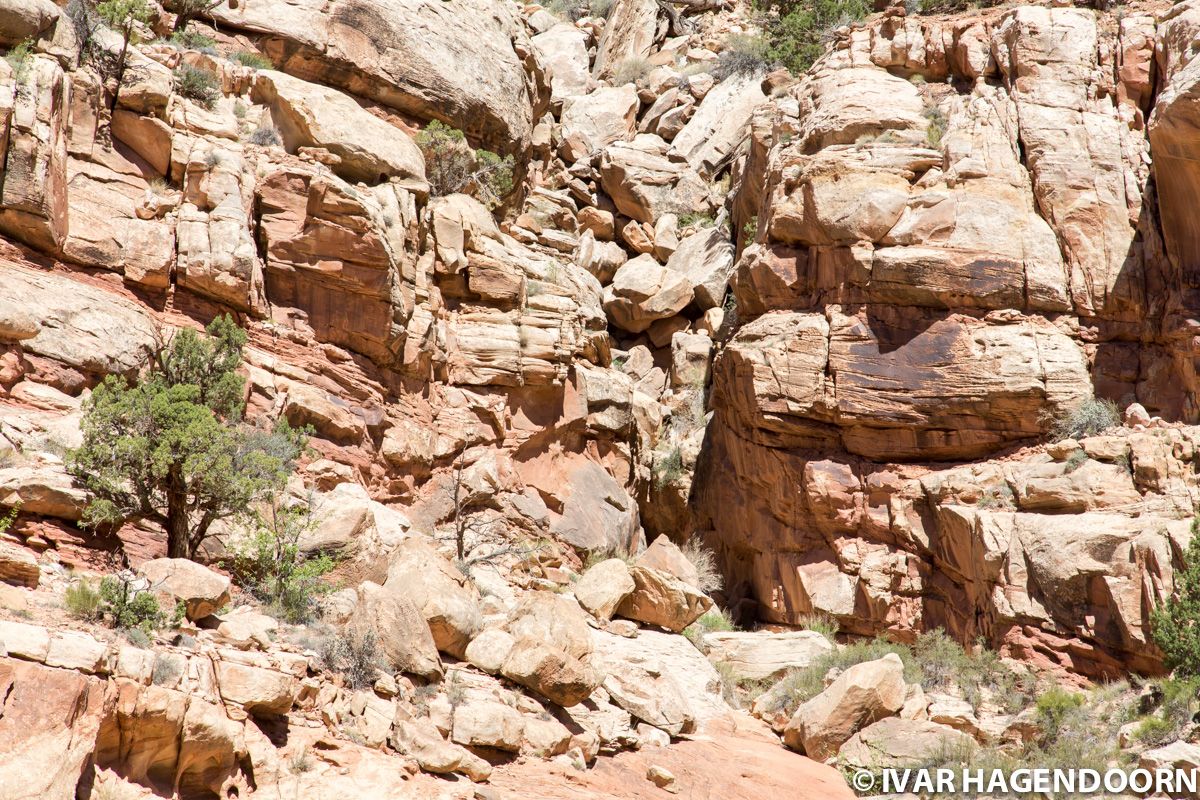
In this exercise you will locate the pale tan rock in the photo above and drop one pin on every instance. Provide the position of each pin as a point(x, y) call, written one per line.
point(445, 598)
point(309, 115)
point(261, 691)
point(562, 49)
point(488, 723)
point(603, 587)
point(489, 650)
point(719, 123)
point(26, 19)
point(896, 742)
point(595, 120)
point(423, 742)
point(464, 64)
point(598, 221)
point(200, 589)
point(553, 620)
point(758, 655)
point(642, 292)
point(663, 600)
point(860, 696)
point(399, 628)
point(551, 672)
point(645, 183)
point(600, 258)
point(24, 641)
point(77, 650)
point(33, 199)
point(544, 738)
point(662, 777)
point(629, 34)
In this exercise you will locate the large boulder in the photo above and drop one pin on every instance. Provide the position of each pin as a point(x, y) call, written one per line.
point(706, 259)
point(551, 672)
point(255, 685)
point(488, 723)
point(25, 19)
point(553, 620)
point(462, 62)
point(399, 628)
point(421, 740)
point(759, 655)
point(897, 743)
point(562, 49)
point(603, 587)
point(860, 696)
point(75, 323)
point(309, 115)
point(595, 120)
point(645, 181)
point(443, 595)
point(642, 292)
point(200, 589)
point(663, 600)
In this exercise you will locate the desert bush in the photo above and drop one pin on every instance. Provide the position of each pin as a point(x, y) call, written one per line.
point(82, 601)
point(193, 40)
point(717, 619)
point(266, 135)
point(1089, 418)
point(936, 126)
point(20, 58)
point(575, 10)
point(452, 166)
point(127, 608)
point(797, 31)
point(744, 54)
point(354, 655)
point(630, 70)
point(272, 567)
point(8, 519)
point(668, 468)
point(252, 59)
point(1075, 461)
point(1175, 624)
point(704, 561)
point(166, 670)
point(1001, 496)
point(820, 622)
point(197, 84)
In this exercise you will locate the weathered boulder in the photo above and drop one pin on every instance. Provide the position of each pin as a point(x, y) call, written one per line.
point(462, 62)
point(645, 182)
point(706, 258)
point(309, 115)
point(562, 50)
point(551, 672)
point(257, 687)
point(860, 696)
point(25, 19)
point(443, 595)
point(596, 120)
point(489, 650)
point(488, 723)
point(897, 743)
point(758, 655)
point(200, 589)
point(553, 620)
point(663, 600)
point(75, 323)
point(603, 587)
point(421, 741)
point(642, 292)
point(18, 566)
point(399, 628)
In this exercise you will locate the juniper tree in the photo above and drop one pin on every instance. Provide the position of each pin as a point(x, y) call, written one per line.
point(1175, 625)
point(170, 446)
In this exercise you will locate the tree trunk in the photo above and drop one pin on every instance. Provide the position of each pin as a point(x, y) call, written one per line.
point(178, 540)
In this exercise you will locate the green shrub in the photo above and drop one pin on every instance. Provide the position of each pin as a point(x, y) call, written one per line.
point(199, 85)
point(167, 670)
point(20, 58)
point(690, 218)
point(935, 128)
point(1154, 731)
point(1054, 708)
point(744, 54)
point(126, 608)
point(1089, 418)
point(797, 31)
point(1175, 625)
point(1001, 496)
point(717, 619)
point(82, 601)
point(575, 10)
point(668, 468)
point(274, 569)
point(820, 622)
point(192, 40)
point(253, 60)
point(630, 70)
point(1075, 461)
point(353, 655)
point(452, 166)
point(8, 519)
